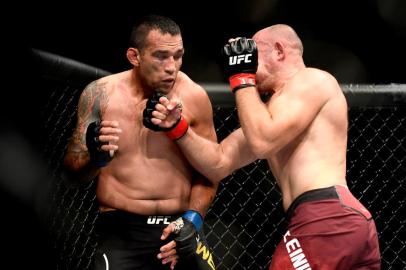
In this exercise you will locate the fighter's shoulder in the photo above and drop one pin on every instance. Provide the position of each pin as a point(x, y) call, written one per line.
point(314, 75)
point(190, 87)
point(104, 83)
point(312, 79)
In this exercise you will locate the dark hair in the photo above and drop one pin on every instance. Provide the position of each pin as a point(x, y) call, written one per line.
point(152, 22)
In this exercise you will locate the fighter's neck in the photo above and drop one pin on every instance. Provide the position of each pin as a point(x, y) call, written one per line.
point(285, 76)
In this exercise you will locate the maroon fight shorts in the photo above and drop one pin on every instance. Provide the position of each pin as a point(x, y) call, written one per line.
point(328, 229)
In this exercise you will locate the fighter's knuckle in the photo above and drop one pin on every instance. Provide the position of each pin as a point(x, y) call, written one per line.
point(177, 225)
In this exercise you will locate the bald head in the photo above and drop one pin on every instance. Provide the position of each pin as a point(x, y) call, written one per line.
point(280, 33)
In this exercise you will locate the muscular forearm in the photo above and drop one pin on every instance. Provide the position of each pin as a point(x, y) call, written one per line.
point(217, 161)
point(202, 195)
point(254, 118)
point(206, 156)
point(253, 114)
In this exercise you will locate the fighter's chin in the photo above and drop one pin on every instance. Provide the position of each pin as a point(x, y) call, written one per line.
point(166, 86)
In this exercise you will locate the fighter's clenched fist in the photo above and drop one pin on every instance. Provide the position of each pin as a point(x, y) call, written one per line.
point(101, 141)
point(240, 62)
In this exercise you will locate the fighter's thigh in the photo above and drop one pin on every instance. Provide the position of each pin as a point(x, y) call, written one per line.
point(338, 250)
point(280, 258)
point(126, 260)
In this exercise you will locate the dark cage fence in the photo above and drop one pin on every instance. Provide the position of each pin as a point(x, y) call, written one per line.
point(245, 221)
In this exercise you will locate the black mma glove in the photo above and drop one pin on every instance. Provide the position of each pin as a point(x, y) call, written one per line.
point(186, 231)
point(149, 108)
point(240, 61)
point(174, 132)
point(98, 157)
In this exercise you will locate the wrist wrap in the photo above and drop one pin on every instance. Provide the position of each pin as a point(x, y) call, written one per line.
point(178, 130)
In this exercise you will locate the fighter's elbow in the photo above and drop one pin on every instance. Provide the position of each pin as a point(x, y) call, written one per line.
point(221, 170)
point(262, 148)
point(68, 163)
point(71, 164)
point(77, 167)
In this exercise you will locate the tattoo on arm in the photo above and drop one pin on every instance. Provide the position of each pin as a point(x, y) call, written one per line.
point(92, 106)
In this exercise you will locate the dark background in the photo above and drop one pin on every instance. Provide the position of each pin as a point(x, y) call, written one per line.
point(360, 41)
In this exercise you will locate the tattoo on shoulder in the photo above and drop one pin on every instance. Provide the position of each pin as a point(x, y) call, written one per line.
point(93, 104)
point(93, 101)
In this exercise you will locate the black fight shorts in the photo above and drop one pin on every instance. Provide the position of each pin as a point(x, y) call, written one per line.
point(130, 241)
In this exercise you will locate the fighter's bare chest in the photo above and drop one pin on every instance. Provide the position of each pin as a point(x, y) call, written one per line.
point(125, 108)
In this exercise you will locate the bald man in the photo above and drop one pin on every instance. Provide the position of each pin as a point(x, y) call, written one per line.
point(302, 133)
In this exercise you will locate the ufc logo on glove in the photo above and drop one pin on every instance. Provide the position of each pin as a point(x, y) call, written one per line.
point(236, 59)
point(240, 61)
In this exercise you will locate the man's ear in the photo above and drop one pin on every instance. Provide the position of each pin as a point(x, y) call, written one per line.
point(280, 49)
point(133, 56)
